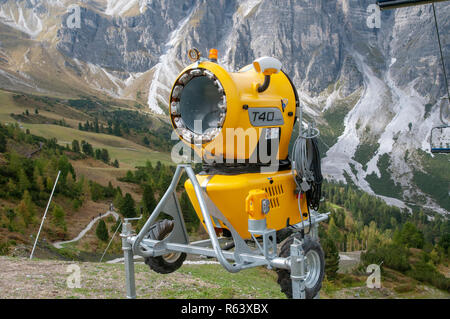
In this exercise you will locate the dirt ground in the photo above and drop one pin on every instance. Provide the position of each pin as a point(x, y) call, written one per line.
point(21, 278)
point(51, 279)
point(48, 279)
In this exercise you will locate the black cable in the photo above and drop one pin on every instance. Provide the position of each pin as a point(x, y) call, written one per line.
point(442, 59)
point(314, 194)
point(265, 85)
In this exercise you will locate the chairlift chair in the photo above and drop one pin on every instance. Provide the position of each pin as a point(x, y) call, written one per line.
point(443, 144)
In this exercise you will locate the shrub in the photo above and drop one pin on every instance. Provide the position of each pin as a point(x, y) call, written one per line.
point(426, 272)
point(109, 219)
point(58, 217)
point(349, 280)
point(444, 242)
point(4, 248)
point(116, 227)
point(393, 256)
point(76, 204)
point(410, 236)
point(2, 143)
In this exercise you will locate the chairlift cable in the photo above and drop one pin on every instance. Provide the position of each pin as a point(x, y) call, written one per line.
point(120, 224)
point(442, 61)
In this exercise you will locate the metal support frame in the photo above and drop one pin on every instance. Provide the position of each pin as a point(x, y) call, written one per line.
point(128, 259)
point(298, 275)
point(242, 257)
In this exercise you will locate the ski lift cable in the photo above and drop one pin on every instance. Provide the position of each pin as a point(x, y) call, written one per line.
point(120, 224)
point(443, 65)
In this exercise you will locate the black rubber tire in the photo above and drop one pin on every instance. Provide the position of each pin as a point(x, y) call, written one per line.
point(158, 264)
point(282, 234)
point(284, 276)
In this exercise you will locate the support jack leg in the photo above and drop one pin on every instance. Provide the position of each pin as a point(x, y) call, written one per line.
point(298, 270)
point(128, 260)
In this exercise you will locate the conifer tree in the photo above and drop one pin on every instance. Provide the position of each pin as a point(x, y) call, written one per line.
point(127, 206)
point(2, 143)
point(24, 183)
point(102, 231)
point(105, 155)
point(58, 217)
point(331, 258)
point(148, 199)
point(26, 209)
point(75, 146)
point(96, 126)
point(188, 210)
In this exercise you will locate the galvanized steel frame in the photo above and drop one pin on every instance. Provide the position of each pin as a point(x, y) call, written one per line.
point(242, 257)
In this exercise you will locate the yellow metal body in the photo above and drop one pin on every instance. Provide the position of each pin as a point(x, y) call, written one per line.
point(241, 88)
point(229, 193)
point(253, 204)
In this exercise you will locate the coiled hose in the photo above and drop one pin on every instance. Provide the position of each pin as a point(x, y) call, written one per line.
point(306, 167)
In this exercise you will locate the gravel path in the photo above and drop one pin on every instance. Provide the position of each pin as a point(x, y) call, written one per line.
point(59, 244)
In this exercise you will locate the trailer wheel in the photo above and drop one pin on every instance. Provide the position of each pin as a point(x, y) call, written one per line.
point(315, 266)
point(168, 263)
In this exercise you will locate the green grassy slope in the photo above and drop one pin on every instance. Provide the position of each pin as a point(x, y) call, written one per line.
point(126, 151)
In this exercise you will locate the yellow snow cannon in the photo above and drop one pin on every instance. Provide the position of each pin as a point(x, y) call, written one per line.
point(240, 123)
point(226, 115)
point(249, 196)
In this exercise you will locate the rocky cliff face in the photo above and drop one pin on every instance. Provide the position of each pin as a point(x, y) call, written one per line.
point(131, 44)
point(375, 92)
